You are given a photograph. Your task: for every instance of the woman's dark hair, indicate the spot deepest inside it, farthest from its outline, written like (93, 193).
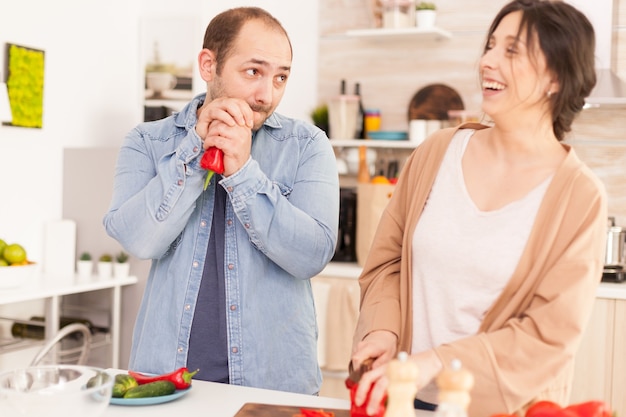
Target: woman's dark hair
(567, 39)
(222, 31)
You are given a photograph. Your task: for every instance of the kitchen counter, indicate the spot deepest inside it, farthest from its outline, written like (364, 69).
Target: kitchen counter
(351, 270)
(224, 400)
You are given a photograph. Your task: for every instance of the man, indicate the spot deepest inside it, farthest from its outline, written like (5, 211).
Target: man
(229, 287)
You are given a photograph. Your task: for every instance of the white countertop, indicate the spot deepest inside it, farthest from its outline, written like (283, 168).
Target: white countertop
(212, 399)
(352, 270)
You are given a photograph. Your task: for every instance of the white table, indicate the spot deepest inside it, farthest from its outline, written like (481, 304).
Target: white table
(212, 399)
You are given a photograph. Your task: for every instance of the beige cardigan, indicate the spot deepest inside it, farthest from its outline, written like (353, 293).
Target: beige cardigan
(524, 349)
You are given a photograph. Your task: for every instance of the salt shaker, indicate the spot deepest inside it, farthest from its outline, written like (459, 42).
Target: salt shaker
(402, 375)
(454, 390)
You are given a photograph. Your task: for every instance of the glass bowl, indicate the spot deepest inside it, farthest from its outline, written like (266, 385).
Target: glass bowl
(65, 390)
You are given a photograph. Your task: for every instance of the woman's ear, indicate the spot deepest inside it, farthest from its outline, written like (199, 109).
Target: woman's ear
(206, 64)
(554, 86)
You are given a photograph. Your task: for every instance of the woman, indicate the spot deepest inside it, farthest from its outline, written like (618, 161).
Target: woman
(491, 248)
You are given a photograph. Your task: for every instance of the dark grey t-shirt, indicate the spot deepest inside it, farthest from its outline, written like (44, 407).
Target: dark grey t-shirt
(207, 342)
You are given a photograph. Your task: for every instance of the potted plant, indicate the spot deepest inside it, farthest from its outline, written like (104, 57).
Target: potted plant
(425, 14)
(105, 266)
(121, 267)
(319, 115)
(84, 265)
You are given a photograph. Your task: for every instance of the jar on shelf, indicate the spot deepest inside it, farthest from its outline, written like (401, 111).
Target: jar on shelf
(398, 13)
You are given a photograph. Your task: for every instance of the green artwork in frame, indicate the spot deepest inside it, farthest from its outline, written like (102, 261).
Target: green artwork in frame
(25, 79)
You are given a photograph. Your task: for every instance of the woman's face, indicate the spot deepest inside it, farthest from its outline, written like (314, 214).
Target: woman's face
(514, 77)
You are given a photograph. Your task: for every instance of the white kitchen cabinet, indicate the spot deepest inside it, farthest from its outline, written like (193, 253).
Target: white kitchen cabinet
(600, 370)
(51, 292)
(336, 292)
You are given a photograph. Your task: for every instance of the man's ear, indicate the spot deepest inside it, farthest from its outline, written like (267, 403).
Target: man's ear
(207, 64)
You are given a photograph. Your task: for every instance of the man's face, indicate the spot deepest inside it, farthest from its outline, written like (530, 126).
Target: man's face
(256, 70)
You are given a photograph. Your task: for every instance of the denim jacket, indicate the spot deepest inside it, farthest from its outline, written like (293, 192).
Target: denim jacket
(281, 230)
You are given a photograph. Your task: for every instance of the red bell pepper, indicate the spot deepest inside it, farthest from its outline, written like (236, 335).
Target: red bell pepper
(180, 377)
(591, 409)
(594, 408)
(213, 161)
(361, 410)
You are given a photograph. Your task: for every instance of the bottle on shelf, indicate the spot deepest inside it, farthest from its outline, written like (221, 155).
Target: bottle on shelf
(360, 119)
(372, 121)
(36, 331)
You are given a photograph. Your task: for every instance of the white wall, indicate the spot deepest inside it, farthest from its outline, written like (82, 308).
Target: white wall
(93, 92)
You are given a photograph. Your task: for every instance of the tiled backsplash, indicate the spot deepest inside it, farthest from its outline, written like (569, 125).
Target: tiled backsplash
(391, 71)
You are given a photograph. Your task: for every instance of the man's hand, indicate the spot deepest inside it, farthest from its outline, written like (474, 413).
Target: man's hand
(231, 111)
(226, 123)
(235, 141)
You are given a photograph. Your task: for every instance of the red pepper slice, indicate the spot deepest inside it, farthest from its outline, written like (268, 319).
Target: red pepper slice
(213, 161)
(180, 377)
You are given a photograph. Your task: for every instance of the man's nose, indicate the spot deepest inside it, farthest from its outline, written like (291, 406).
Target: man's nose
(264, 91)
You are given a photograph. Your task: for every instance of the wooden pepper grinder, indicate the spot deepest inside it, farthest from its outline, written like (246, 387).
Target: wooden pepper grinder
(454, 386)
(402, 375)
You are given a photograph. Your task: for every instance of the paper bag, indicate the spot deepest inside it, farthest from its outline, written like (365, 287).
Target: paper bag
(371, 202)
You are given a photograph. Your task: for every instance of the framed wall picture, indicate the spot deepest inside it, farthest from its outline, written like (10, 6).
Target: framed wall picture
(25, 68)
(170, 49)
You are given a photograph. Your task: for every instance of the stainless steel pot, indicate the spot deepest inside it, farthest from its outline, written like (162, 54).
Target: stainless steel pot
(615, 245)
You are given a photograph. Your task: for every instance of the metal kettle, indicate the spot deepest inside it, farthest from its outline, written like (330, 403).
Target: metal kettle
(615, 245)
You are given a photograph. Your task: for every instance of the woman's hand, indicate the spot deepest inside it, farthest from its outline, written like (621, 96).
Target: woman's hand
(381, 346)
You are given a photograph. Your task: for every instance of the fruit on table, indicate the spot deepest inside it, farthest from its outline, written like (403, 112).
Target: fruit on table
(12, 254)
(380, 179)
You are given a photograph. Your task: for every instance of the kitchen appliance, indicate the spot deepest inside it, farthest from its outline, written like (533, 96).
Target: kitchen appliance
(346, 238)
(615, 255)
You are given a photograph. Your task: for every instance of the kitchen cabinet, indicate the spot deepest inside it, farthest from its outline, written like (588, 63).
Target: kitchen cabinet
(336, 292)
(52, 291)
(600, 369)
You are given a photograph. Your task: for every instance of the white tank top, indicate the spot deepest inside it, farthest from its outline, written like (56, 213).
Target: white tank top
(462, 257)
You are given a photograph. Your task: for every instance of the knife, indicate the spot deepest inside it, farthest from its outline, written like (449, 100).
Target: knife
(354, 375)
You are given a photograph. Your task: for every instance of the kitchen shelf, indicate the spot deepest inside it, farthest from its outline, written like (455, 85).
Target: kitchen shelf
(371, 143)
(51, 291)
(383, 34)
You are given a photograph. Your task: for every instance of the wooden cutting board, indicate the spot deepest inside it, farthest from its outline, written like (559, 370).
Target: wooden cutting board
(433, 102)
(273, 410)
